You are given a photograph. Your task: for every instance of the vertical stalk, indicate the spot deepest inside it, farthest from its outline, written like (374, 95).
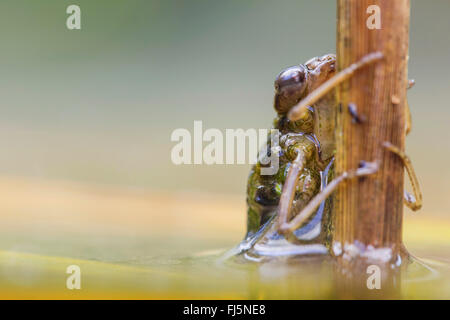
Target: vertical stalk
(369, 210)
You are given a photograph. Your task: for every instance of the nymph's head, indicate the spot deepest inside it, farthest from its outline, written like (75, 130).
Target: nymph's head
(294, 83)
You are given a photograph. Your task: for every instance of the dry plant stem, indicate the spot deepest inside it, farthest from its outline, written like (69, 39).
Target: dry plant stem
(408, 119)
(369, 211)
(411, 84)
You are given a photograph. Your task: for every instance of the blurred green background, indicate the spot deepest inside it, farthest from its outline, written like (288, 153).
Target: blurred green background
(98, 105)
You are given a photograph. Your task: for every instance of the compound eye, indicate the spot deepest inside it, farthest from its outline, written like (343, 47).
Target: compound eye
(293, 76)
(290, 85)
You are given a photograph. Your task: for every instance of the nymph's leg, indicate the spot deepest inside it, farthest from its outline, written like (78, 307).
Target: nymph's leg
(414, 202)
(287, 228)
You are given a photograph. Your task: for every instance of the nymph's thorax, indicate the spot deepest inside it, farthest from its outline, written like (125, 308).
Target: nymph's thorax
(304, 125)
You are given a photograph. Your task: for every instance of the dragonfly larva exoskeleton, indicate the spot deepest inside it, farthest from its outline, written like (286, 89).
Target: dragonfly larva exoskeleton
(306, 150)
(292, 207)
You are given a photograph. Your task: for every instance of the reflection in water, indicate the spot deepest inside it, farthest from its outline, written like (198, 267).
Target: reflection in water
(214, 275)
(217, 273)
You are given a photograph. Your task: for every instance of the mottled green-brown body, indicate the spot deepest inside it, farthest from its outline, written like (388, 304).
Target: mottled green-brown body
(312, 136)
(264, 191)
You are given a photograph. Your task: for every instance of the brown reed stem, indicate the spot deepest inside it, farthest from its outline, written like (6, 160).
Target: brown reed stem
(369, 210)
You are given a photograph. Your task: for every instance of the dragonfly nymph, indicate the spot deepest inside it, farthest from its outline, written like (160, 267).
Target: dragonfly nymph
(289, 212)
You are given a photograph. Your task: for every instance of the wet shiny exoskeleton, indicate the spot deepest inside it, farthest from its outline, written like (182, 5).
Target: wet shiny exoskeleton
(264, 191)
(293, 207)
(311, 137)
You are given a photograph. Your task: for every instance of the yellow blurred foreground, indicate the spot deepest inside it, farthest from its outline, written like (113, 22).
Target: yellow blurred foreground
(135, 244)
